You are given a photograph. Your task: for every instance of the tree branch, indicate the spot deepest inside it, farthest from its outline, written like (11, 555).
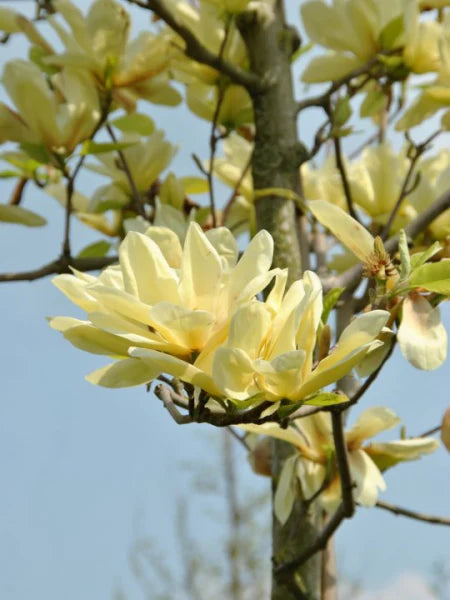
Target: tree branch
(340, 446)
(343, 173)
(198, 52)
(412, 514)
(60, 265)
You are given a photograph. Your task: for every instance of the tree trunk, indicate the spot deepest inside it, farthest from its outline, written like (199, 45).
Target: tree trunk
(276, 160)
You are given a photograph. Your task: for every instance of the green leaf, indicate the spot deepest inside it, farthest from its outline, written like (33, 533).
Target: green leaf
(433, 276)
(303, 49)
(100, 248)
(325, 399)
(391, 32)
(420, 258)
(287, 409)
(194, 185)
(373, 103)
(329, 302)
(9, 174)
(90, 147)
(342, 111)
(405, 260)
(37, 54)
(37, 152)
(16, 214)
(135, 123)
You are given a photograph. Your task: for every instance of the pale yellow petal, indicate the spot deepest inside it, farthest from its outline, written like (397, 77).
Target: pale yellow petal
(164, 363)
(169, 244)
(367, 478)
(286, 490)
(348, 231)
(249, 328)
(145, 270)
(185, 327)
(233, 373)
(76, 290)
(201, 271)
(123, 373)
(371, 422)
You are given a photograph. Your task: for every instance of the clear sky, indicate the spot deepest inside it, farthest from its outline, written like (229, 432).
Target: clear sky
(84, 470)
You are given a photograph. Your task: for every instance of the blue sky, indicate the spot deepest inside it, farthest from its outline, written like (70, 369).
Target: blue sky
(84, 470)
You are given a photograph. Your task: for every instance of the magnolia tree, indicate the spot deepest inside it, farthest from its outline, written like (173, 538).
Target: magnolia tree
(343, 256)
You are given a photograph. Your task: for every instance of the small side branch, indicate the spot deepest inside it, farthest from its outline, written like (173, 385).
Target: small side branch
(343, 173)
(198, 52)
(60, 265)
(412, 514)
(136, 203)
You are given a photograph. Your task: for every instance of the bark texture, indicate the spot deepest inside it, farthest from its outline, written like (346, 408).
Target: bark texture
(277, 156)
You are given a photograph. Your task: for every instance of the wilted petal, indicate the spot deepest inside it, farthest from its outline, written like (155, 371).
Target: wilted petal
(286, 490)
(368, 479)
(421, 336)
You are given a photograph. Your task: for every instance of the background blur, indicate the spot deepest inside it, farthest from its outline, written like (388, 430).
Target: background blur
(88, 474)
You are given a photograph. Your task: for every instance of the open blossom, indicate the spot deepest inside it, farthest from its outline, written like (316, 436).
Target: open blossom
(99, 43)
(168, 303)
(57, 116)
(193, 313)
(269, 349)
(312, 438)
(355, 31)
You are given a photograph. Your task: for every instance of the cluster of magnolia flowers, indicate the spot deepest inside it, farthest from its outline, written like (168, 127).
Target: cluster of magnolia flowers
(194, 313)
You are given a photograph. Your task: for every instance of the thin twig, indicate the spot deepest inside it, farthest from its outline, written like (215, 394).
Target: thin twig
(430, 431)
(235, 191)
(412, 514)
(343, 173)
(16, 196)
(284, 569)
(342, 463)
(70, 177)
(368, 382)
(415, 152)
(239, 438)
(213, 139)
(198, 52)
(165, 395)
(60, 265)
(136, 203)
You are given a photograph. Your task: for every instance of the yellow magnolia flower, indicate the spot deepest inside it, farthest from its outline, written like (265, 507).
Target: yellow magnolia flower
(434, 181)
(145, 157)
(353, 30)
(58, 117)
(99, 43)
(270, 345)
(166, 307)
(376, 181)
(207, 23)
(314, 458)
(436, 95)
(323, 183)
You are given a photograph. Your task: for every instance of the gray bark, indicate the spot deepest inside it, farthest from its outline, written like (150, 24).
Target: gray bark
(277, 156)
